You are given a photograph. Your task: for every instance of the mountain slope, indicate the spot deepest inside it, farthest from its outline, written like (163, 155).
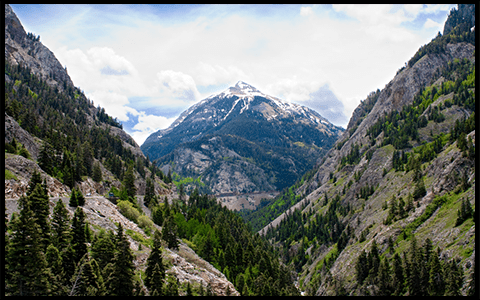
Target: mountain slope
(55, 125)
(243, 141)
(26, 49)
(399, 181)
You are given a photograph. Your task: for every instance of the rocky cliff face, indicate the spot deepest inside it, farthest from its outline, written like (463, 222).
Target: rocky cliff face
(464, 14)
(27, 49)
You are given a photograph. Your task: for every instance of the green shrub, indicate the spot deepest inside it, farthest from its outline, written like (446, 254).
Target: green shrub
(126, 208)
(145, 223)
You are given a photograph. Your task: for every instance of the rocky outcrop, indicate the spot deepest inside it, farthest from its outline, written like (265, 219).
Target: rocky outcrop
(403, 87)
(13, 130)
(26, 49)
(465, 13)
(23, 169)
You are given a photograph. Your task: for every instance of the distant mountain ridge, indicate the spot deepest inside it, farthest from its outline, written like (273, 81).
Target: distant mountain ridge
(278, 139)
(215, 111)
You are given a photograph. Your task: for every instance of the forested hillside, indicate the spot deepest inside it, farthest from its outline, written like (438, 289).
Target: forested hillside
(391, 209)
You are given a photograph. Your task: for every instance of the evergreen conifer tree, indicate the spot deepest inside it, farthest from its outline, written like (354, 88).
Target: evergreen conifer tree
(27, 270)
(155, 271)
(149, 192)
(68, 263)
(415, 260)
(67, 169)
(97, 172)
(78, 234)
(46, 158)
(120, 281)
(398, 276)
(40, 207)
(454, 279)
(54, 261)
(87, 156)
(80, 198)
(169, 232)
(61, 233)
(33, 182)
(103, 249)
(436, 283)
(129, 182)
(73, 198)
(85, 281)
(384, 278)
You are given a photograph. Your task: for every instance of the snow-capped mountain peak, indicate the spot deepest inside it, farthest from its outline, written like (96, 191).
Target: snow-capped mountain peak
(241, 90)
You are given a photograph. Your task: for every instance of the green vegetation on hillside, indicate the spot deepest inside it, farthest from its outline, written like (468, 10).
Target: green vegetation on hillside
(395, 197)
(63, 120)
(222, 238)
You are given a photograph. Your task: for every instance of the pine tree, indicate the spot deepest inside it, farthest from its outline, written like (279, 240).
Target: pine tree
(155, 271)
(68, 263)
(87, 156)
(61, 233)
(149, 192)
(27, 270)
(436, 283)
(80, 198)
(34, 180)
(120, 280)
(46, 158)
(86, 281)
(398, 276)
(78, 234)
(80, 168)
(54, 261)
(73, 198)
(169, 232)
(67, 169)
(454, 279)
(464, 212)
(97, 172)
(361, 267)
(129, 182)
(40, 207)
(103, 249)
(419, 190)
(384, 278)
(157, 215)
(415, 260)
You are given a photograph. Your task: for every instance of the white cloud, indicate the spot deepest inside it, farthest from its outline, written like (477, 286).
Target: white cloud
(208, 74)
(306, 11)
(105, 57)
(178, 85)
(432, 24)
(289, 55)
(114, 104)
(293, 89)
(435, 8)
(413, 9)
(148, 124)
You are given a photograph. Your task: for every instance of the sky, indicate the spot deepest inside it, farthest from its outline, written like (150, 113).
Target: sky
(145, 64)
